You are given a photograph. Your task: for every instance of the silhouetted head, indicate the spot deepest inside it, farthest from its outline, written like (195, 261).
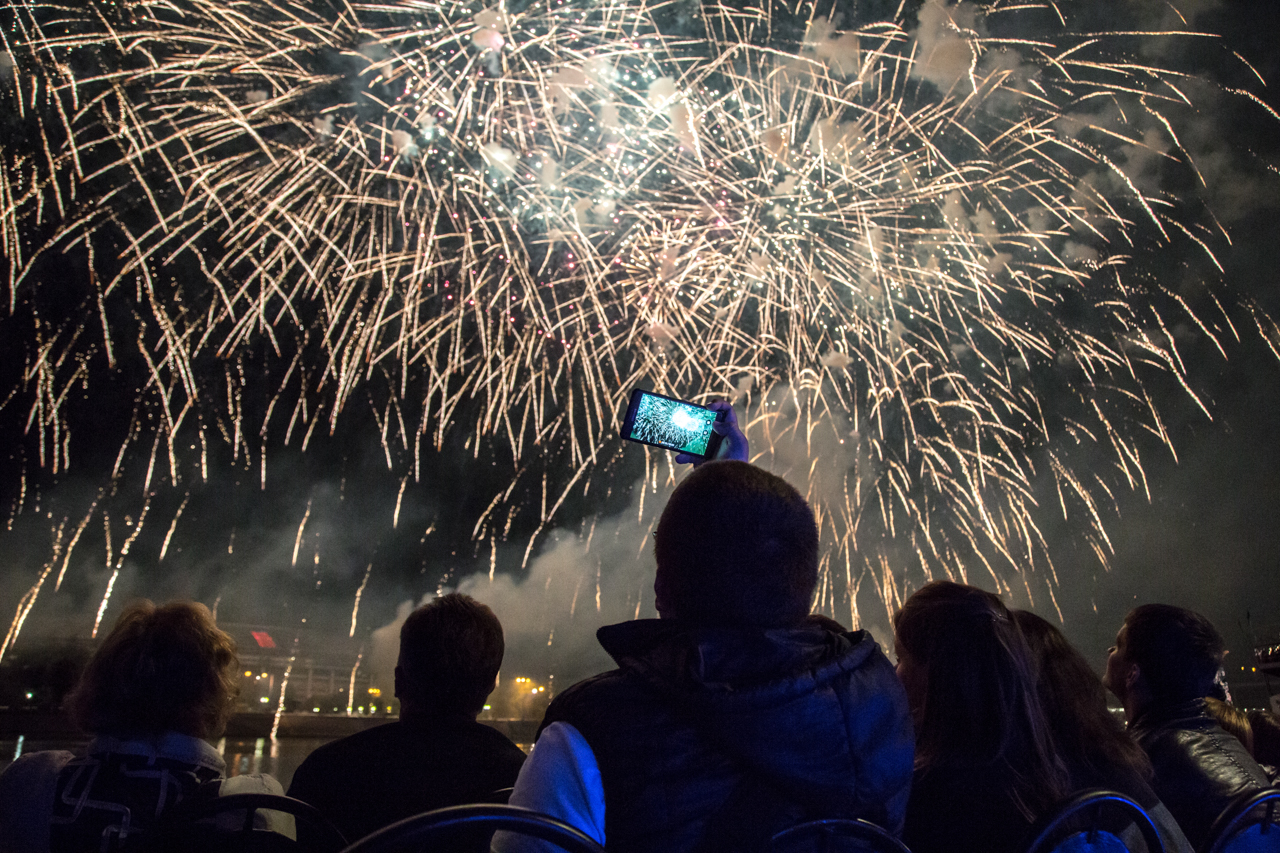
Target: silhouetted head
(1164, 654)
(450, 653)
(166, 668)
(736, 546)
(970, 682)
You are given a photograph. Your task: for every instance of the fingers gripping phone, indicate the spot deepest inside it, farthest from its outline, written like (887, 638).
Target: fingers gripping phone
(661, 421)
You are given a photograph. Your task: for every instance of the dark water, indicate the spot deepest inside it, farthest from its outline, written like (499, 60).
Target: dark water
(279, 757)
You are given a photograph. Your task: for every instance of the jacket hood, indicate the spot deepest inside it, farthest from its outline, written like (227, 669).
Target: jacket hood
(805, 706)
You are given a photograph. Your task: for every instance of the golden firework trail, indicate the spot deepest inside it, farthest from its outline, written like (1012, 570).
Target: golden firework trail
(115, 572)
(355, 609)
(284, 687)
(924, 253)
(29, 600)
(173, 525)
(106, 598)
(297, 541)
(71, 546)
(351, 687)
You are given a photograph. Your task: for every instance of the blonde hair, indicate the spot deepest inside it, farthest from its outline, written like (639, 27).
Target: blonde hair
(1232, 719)
(165, 668)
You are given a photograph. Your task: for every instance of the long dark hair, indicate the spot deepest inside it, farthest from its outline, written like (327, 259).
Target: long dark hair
(979, 706)
(1089, 738)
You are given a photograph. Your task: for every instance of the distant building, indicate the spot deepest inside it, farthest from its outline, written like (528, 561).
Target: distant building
(325, 674)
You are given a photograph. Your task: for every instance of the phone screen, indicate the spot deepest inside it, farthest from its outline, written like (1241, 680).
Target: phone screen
(670, 423)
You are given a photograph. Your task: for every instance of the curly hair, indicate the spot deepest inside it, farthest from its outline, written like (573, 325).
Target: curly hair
(165, 668)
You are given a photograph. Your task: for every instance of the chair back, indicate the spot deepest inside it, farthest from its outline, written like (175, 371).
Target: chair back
(836, 834)
(1251, 824)
(415, 833)
(1094, 821)
(202, 826)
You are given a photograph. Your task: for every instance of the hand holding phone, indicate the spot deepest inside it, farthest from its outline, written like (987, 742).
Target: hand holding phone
(733, 441)
(698, 433)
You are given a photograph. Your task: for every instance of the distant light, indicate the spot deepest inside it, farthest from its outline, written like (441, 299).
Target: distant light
(265, 699)
(315, 710)
(264, 675)
(375, 691)
(248, 674)
(488, 707)
(30, 695)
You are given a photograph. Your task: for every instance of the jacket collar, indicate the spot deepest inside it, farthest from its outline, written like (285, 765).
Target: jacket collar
(1161, 714)
(735, 665)
(174, 746)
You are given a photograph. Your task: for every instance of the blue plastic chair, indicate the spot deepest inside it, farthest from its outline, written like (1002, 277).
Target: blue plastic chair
(1094, 821)
(1251, 824)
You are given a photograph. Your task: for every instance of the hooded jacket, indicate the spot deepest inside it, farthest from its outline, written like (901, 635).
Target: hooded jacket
(716, 738)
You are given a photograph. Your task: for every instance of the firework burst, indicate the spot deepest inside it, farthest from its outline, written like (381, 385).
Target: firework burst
(919, 246)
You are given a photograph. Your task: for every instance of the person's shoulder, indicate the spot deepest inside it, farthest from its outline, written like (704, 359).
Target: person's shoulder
(491, 736)
(362, 743)
(595, 696)
(26, 798)
(32, 767)
(589, 686)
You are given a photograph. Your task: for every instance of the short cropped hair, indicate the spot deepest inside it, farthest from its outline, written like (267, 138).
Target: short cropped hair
(1178, 651)
(165, 668)
(450, 653)
(736, 546)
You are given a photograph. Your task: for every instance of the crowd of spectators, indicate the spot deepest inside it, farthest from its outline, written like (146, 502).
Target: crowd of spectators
(734, 715)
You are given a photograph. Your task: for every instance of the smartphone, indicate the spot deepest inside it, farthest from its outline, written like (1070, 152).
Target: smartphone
(674, 424)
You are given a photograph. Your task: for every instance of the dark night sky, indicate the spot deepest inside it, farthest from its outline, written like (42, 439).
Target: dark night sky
(1208, 538)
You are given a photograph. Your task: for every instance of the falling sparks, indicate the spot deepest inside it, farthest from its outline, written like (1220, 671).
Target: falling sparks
(395, 518)
(66, 561)
(923, 253)
(355, 610)
(133, 535)
(351, 687)
(106, 598)
(173, 525)
(29, 600)
(284, 687)
(302, 525)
